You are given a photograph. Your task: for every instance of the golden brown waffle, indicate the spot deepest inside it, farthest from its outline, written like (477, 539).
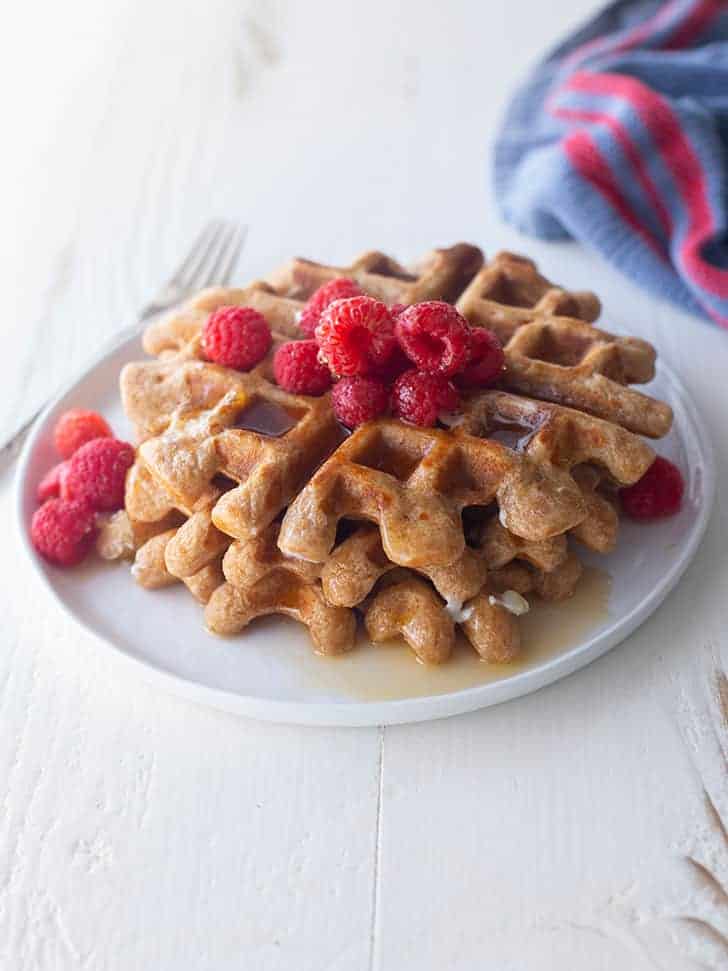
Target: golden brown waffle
(145, 500)
(554, 436)
(147, 544)
(245, 563)
(560, 358)
(230, 609)
(499, 547)
(410, 608)
(356, 564)
(195, 544)
(548, 569)
(441, 275)
(153, 391)
(509, 292)
(174, 332)
(414, 483)
(598, 531)
(264, 471)
(119, 536)
(151, 572)
(261, 580)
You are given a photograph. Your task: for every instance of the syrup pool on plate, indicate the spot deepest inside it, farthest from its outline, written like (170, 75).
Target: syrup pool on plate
(388, 672)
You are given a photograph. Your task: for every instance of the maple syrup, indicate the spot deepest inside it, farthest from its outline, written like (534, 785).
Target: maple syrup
(265, 418)
(387, 672)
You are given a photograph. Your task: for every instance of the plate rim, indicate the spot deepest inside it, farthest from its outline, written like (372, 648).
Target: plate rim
(357, 714)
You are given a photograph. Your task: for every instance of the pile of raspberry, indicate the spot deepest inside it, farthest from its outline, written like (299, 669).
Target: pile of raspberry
(412, 362)
(90, 479)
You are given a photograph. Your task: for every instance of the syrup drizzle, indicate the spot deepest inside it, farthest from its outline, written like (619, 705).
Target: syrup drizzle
(387, 672)
(265, 418)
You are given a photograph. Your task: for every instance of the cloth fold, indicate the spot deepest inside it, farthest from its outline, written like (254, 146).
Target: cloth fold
(619, 138)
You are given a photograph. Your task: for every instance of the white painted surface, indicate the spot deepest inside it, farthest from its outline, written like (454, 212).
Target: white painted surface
(141, 831)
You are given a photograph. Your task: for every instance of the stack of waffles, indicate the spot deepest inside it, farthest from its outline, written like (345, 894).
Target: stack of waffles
(261, 503)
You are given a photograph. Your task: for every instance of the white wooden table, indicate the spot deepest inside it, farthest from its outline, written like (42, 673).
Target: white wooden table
(576, 828)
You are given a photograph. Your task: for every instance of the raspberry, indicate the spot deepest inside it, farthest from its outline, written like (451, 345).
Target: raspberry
(339, 289)
(76, 427)
(389, 370)
(236, 337)
(396, 309)
(486, 361)
(97, 473)
(658, 493)
(62, 531)
(435, 337)
(358, 398)
(419, 397)
(355, 335)
(53, 482)
(297, 369)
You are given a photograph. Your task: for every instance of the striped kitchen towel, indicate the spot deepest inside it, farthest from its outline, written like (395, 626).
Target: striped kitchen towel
(619, 138)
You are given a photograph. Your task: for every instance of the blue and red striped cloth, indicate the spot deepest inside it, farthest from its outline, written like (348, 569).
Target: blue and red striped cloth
(620, 138)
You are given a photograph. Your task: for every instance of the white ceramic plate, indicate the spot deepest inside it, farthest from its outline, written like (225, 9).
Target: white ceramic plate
(270, 671)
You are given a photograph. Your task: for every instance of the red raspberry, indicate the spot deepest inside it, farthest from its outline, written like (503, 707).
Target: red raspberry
(358, 398)
(339, 289)
(62, 531)
(486, 361)
(53, 482)
(76, 427)
(396, 309)
(236, 337)
(435, 337)
(419, 397)
(297, 369)
(97, 473)
(355, 335)
(390, 370)
(658, 493)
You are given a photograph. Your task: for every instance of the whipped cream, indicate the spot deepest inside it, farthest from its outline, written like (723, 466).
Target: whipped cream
(512, 601)
(458, 613)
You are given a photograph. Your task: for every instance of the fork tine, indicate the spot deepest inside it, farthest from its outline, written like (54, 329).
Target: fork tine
(225, 265)
(206, 270)
(189, 270)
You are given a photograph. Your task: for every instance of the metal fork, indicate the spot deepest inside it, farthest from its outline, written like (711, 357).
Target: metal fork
(211, 261)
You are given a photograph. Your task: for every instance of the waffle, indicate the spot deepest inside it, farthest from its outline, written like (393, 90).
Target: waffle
(230, 609)
(173, 332)
(245, 563)
(554, 436)
(357, 563)
(414, 483)
(509, 292)
(119, 536)
(151, 572)
(147, 544)
(561, 358)
(441, 275)
(264, 471)
(410, 608)
(598, 531)
(153, 392)
(549, 568)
